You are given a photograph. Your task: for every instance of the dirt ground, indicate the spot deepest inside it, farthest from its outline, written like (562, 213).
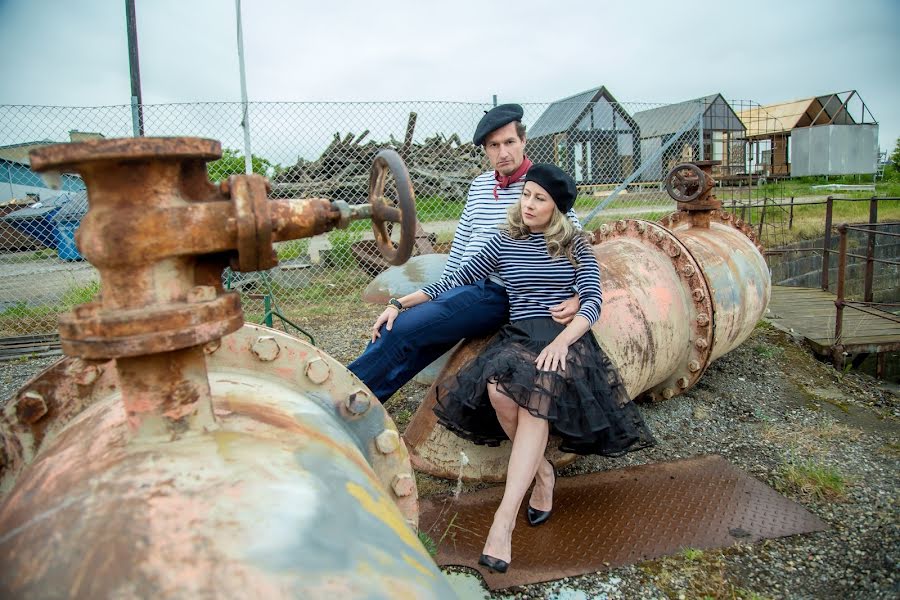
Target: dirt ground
(828, 440)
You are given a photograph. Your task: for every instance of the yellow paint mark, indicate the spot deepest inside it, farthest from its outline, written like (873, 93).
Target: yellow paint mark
(223, 441)
(417, 565)
(387, 512)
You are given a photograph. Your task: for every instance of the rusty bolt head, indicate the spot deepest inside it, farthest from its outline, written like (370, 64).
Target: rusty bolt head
(621, 225)
(683, 382)
(700, 344)
(317, 370)
(31, 407)
(726, 216)
(673, 250)
(604, 230)
(641, 228)
(266, 348)
(211, 346)
(687, 270)
(702, 320)
(667, 393)
(693, 366)
(201, 293)
(698, 295)
(403, 485)
(657, 236)
(738, 222)
(387, 441)
(358, 402)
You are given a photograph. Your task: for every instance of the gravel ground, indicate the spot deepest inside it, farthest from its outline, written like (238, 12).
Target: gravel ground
(766, 406)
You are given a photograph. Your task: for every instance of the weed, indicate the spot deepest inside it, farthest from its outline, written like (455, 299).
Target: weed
(767, 351)
(811, 481)
(428, 543)
(80, 294)
(692, 554)
(293, 249)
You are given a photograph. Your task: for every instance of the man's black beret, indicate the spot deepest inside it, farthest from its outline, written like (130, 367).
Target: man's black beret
(496, 118)
(557, 182)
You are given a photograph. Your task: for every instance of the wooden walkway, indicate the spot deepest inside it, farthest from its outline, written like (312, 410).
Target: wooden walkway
(810, 313)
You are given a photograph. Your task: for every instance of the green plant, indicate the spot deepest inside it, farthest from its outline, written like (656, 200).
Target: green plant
(232, 163)
(692, 554)
(341, 240)
(811, 480)
(428, 543)
(293, 249)
(80, 294)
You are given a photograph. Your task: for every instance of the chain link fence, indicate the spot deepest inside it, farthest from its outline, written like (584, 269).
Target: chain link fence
(618, 153)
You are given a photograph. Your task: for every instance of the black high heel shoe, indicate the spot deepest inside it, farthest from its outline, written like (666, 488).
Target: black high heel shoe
(537, 517)
(494, 564)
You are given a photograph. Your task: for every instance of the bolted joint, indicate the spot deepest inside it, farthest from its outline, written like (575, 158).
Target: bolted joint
(403, 485)
(317, 370)
(698, 295)
(641, 228)
(604, 230)
(702, 320)
(31, 407)
(687, 270)
(683, 382)
(266, 348)
(700, 344)
(387, 441)
(673, 251)
(668, 393)
(693, 366)
(358, 402)
(621, 225)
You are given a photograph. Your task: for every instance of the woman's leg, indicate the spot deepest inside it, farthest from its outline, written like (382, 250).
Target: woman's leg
(527, 453)
(507, 414)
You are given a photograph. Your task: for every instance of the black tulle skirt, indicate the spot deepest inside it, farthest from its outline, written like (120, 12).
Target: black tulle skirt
(586, 405)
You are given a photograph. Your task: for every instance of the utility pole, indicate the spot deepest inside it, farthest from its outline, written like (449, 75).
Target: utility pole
(137, 103)
(245, 113)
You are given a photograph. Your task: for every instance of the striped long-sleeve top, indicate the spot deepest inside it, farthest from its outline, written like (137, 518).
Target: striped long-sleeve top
(481, 218)
(535, 281)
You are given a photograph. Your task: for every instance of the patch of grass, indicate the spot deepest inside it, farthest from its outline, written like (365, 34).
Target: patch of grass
(767, 350)
(293, 249)
(80, 294)
(44, 253)
(429, 543)
(402, 417)
(695, 574)
(817, 439)
(600, 219)
(811, 481)
(438, 209)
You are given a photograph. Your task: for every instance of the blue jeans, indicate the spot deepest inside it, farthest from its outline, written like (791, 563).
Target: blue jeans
(423, 333)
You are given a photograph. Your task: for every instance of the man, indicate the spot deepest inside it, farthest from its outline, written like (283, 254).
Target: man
(413, 339)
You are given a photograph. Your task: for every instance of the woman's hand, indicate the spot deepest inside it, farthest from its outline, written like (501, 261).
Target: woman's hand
(386, 318)
(553, 356)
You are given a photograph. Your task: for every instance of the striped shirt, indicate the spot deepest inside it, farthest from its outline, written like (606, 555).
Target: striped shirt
(535, 281)
(481, 218)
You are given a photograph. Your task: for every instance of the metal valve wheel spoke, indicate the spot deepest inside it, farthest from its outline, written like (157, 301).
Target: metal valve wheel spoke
(385, 211)
(685, 183)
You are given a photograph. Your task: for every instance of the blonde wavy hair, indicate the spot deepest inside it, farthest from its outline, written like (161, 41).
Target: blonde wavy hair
(560, 234)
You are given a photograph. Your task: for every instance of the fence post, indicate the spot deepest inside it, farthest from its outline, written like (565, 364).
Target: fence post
(791, 218)
(870, 250)
(827, 246)
(762, 218)
(837, 352)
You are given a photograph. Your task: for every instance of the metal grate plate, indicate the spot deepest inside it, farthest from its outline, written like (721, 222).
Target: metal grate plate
(620, 517)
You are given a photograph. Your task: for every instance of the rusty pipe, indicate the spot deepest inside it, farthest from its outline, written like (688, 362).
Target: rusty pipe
(677, 295)
(177, 453)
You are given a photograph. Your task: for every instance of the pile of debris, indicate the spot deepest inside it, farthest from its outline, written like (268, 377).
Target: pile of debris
(439, 167)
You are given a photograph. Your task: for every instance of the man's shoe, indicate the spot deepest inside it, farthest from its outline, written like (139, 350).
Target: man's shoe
(494, 564)
(537, 517)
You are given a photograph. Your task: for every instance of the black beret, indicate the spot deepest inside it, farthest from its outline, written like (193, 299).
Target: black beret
(557, 182)
(496, 118)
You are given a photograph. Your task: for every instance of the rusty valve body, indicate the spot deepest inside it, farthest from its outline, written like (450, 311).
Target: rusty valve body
(677, 294)
(177, 453)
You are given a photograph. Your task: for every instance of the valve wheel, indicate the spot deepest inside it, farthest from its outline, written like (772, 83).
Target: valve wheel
(685, 182)
(386, 211)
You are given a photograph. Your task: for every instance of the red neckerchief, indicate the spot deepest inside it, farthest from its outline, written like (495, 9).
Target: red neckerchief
(504, 181)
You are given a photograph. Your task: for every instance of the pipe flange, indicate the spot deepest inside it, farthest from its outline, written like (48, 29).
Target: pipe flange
(249, 195)
(337, 390)
(695, 287)
(92, 332)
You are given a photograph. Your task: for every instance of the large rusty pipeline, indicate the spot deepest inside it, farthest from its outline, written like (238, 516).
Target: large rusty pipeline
(177, 453)
(677, 294)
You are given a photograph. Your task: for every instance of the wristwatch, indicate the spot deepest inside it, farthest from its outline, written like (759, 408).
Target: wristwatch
(396, 304)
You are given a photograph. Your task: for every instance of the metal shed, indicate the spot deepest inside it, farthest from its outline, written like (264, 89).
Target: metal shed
(680, 128)
(589, 135)
(845, 144)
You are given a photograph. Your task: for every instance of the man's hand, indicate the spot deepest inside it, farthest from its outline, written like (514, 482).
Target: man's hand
(385, 318)
(566, 310)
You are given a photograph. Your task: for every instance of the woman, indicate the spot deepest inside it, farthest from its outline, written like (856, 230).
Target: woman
(536, 375)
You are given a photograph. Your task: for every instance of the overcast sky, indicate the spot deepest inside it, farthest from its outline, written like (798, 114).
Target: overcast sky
(65, 52)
